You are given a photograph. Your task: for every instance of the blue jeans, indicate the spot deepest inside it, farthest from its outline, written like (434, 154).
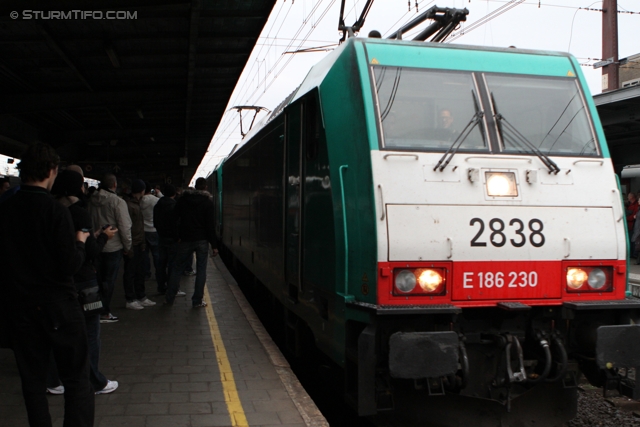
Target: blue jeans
(152, 239)
(184, 251)
(133, 278)
(108, 273)
(98, 380)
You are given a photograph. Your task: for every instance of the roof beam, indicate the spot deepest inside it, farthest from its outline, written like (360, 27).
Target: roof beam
(58, 49)
(35, 102)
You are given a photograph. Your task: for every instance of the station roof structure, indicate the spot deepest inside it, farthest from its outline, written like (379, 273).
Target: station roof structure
(134, 87)
(619, 112)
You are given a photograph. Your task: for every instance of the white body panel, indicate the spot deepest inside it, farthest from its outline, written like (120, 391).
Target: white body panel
(425, 215)
(440, 233)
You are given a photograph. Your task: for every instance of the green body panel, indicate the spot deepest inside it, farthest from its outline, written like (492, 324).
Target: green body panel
(466, 58)
(349, 160)
(367, 95)
(347, 139)
(318, 230)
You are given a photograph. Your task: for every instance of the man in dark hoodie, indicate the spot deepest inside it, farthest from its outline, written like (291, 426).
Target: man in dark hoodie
(166, 227)
(194, 216)
(39, 253)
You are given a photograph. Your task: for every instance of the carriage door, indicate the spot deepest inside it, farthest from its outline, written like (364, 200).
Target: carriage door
(293, 195)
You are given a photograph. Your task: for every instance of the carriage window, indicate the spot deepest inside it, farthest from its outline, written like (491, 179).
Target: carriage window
(547, 114)
(427, 110)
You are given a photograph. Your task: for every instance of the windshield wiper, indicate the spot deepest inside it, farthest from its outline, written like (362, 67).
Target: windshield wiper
(516, 138)
(392, 96)
(453, 148)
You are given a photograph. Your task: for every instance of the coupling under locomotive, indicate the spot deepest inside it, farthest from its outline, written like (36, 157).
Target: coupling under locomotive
(447, 223)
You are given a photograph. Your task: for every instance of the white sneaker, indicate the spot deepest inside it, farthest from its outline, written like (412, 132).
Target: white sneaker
(180, 293)
(109, 388)
(134, 305)
(56, 390)
(146, 302)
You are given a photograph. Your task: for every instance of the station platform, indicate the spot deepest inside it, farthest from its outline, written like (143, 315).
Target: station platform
(184, 367)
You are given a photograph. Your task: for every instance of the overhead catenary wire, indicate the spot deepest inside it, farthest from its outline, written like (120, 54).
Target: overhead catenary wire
(290, 58)
(487, 18)
(218, 143)
(250, 77)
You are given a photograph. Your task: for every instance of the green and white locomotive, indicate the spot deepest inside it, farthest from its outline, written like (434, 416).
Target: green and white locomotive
(447, 223)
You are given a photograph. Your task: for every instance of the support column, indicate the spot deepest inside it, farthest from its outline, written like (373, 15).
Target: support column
(610, 74)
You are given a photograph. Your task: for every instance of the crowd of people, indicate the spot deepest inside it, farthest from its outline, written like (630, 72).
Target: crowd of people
(61, 248)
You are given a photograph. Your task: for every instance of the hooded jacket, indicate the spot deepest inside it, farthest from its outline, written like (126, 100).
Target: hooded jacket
(106, 207)
(194, 213)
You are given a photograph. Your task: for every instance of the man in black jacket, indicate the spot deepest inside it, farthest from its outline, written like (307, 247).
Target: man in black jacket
(166, 227)
(39, 253)
(194, 216)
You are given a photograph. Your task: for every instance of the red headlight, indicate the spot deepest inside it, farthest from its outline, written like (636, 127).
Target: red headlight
(419, 281)
(589, 279)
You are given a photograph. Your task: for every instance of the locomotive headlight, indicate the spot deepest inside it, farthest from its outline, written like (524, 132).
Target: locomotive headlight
(429, 280)
(597, 278)
(585, 279)
(576, 278)
(405, 281)
(501, 184)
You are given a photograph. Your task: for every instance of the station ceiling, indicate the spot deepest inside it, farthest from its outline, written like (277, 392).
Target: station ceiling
(619, 112)
(135, 87)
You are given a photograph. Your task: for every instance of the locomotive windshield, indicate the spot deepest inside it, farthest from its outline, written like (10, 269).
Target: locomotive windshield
(428, 110)
(549, 112)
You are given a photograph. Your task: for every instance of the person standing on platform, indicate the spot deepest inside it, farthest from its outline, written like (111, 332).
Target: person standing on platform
(194, 215)
(147, 204)
(39, 253)
(165, 224)
(133, 277)
(106, 208)
(68, 190)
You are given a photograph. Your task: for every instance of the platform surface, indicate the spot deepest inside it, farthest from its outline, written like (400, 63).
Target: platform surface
(183, 367)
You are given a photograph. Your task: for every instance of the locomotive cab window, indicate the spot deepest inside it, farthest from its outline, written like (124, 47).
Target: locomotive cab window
(541, 113)
(429, 110)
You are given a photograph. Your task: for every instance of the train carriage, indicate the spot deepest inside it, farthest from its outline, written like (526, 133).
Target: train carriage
(447, 223)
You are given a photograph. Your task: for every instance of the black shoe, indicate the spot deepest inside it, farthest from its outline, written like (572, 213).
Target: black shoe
(189, 273)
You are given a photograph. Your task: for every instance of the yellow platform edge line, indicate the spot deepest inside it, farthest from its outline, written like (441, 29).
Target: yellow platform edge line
(234, 406)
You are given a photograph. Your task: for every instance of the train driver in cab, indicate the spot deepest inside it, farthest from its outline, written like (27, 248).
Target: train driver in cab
(445, 130)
